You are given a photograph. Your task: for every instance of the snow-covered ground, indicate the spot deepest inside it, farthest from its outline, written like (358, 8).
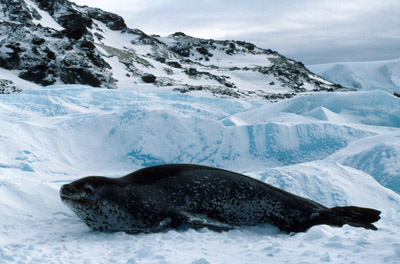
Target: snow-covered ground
(371, 75)
(335, 148)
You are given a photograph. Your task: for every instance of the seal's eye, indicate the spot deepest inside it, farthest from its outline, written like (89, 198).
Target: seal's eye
(88, 189)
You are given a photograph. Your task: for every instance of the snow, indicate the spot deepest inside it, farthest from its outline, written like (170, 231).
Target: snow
(113, 38)
(12, 75)
(220, 58)
(46, 19)
(335, 148)
(371, 75)
(366, 108)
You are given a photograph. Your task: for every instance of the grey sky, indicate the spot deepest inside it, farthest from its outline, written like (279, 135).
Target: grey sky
(312, 31)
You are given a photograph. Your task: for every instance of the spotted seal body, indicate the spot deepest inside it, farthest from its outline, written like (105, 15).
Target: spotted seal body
(168, 196)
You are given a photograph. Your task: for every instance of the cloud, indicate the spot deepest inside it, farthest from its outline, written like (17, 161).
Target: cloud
(313, 31)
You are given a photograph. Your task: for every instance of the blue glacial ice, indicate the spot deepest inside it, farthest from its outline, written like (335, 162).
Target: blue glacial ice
(75, 129)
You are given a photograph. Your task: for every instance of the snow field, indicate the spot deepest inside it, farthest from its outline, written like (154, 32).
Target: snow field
(326, 147)
(371, 75)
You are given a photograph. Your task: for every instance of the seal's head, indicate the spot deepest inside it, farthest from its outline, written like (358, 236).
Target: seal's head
(80, 193)
(95, 200)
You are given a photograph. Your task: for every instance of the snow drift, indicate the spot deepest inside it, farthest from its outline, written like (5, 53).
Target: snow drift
(328, 147)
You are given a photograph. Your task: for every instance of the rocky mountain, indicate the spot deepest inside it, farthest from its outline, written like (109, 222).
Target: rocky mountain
(58, 42)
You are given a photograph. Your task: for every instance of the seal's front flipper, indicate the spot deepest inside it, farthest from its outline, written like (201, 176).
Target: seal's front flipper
(200, 220)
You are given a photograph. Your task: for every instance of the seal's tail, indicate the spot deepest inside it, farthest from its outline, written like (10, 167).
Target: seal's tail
(351, 215)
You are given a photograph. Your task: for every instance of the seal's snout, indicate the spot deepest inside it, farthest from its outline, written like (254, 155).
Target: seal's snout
(66, 191)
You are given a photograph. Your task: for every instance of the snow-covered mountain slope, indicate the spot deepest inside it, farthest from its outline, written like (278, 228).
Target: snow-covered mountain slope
(58, 42)
(382, 75)
(320, 146)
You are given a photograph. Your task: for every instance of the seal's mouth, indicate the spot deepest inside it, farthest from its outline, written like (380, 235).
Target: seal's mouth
(69, 197)
(72, 200)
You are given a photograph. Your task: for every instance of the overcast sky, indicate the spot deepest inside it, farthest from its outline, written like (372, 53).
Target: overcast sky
(311, 31)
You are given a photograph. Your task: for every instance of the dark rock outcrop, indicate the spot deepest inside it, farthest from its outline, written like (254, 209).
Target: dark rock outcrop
(174, 64)
(44, 54)
(112, 21)
(149, 78)
(75, 25)
(41, 74)
(8, 87)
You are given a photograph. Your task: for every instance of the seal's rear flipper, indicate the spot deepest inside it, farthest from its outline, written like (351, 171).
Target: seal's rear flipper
(200, 220)
(351, 215)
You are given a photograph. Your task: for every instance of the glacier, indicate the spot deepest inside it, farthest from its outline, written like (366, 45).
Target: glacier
(368, 75)
(336, 148)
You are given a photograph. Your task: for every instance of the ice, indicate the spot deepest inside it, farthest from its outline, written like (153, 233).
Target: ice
(355, 107)
(382, 75)
(335, 148)
(311, 178)
(379, 160)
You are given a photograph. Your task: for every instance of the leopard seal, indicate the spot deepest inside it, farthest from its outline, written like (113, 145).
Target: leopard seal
(168, 196)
